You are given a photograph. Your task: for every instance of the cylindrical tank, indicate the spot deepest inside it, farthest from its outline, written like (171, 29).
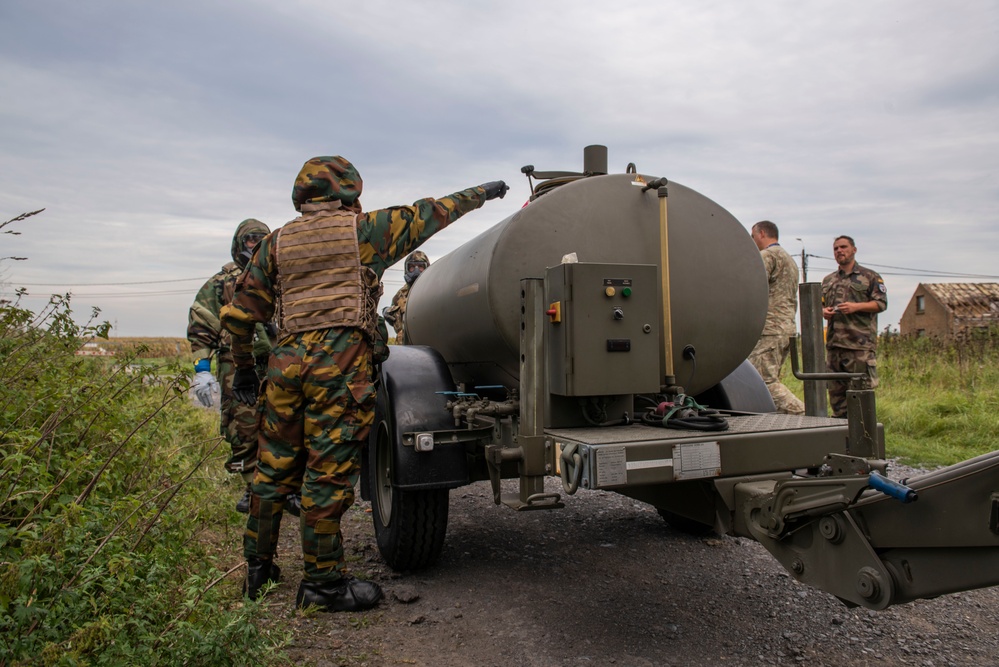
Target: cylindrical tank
(466, 305)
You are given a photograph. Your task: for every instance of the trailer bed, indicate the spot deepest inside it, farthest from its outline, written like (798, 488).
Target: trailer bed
(639, 454)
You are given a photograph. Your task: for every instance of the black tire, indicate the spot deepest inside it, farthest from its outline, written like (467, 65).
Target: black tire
(685, 525)
(409, 525)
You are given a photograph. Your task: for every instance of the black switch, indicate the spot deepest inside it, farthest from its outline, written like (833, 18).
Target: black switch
(619, 345)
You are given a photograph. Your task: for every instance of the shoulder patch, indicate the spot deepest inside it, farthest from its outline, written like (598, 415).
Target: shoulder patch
(881, 286)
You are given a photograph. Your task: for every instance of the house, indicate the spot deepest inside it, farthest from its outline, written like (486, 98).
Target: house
(92, 349)
(948, 310)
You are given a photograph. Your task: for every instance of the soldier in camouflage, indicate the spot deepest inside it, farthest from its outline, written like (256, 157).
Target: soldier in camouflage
(204, 330)
(852, 297)
(395, 315)
(320, 274)
(771, 350)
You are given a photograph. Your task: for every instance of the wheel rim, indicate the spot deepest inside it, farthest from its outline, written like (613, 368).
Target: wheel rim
(383, 474)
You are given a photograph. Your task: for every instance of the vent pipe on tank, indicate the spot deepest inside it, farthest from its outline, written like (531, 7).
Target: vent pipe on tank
(595, 160)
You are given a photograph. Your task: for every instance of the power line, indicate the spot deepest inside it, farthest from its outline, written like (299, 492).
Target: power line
(112, 295)
(919, 272)
(144, 282)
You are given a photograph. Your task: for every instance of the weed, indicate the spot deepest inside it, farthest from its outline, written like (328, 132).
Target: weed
(108, 481)
(938, 400)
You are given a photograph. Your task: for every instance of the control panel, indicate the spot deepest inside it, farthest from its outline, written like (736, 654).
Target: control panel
(603, 329)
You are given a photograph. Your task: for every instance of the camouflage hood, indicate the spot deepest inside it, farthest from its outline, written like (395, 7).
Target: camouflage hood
(411, 275)
(249, 227)
(328, 178)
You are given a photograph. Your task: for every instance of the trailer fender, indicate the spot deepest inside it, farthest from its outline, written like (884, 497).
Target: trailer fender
(743, 390)
(411, 399)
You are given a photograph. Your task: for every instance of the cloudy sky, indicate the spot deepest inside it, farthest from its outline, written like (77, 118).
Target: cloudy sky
(147, 131)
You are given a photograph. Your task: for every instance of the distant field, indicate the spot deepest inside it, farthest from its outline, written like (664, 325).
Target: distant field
(150, 348)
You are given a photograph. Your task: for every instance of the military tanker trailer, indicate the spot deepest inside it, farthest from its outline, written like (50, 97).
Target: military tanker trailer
(599, 336)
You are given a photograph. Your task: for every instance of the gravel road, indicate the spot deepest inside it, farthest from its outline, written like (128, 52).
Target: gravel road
(604, 581)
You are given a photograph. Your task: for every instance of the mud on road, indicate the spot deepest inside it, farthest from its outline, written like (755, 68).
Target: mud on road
(604, 581)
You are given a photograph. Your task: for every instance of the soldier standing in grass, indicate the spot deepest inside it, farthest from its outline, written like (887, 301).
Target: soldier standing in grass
(852, 297)
(771, 350)
(320, 275)
(204, 330)
(395, 314)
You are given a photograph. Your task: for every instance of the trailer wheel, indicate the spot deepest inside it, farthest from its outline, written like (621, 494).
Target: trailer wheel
(409, 524)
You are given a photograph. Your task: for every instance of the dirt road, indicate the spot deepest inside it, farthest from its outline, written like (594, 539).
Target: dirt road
(605, 582)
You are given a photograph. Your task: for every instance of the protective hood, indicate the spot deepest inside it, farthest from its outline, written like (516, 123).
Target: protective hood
(249, 227)
(417, 257)
(327, 178)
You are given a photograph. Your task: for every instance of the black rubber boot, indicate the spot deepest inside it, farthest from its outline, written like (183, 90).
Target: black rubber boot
(347, 594)
(258, 573)
(243, 504)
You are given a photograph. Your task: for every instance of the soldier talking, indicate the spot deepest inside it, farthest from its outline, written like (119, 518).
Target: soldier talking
(320, 274)
(771, 350)
(852, 297)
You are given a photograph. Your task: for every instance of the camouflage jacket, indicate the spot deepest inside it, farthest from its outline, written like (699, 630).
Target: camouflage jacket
(384, 237)
(204, 326)
(782, 276)
(856, 331)
(397, 311)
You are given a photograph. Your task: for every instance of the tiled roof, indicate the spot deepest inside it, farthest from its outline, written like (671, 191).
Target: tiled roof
(968, 301)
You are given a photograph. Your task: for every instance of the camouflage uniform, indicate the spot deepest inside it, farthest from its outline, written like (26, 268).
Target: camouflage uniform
(204, 330)
(396, 313)
(851, 340)
(771, 350)
(319, 395)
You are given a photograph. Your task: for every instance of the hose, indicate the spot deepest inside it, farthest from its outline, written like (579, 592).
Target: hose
(685, 413)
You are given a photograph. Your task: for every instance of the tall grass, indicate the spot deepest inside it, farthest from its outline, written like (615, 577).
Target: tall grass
(938, 400)
(110, 514)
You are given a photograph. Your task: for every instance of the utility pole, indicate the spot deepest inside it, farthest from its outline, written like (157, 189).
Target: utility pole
(804, 262)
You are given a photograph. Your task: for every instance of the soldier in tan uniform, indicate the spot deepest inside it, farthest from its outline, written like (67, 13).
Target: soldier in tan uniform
(852, 297)
(320, 274)
(395, 314)
(771, 351)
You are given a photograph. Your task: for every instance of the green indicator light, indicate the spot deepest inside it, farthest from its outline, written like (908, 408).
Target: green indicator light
(626, 291)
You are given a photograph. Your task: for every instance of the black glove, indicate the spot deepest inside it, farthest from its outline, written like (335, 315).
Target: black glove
(245, 386)
(388, 316)
(495, 189)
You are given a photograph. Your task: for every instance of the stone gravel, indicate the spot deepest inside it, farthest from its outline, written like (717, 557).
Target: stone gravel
(604, 581)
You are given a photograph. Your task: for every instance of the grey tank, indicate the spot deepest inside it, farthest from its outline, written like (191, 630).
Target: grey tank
(466, 305)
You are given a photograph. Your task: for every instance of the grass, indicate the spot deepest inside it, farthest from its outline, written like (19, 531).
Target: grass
(938, 400)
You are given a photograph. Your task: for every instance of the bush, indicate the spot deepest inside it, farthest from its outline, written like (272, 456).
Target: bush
(109, 515)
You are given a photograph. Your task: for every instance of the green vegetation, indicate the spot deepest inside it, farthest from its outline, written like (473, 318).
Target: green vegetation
(115, 521)
(938, 400)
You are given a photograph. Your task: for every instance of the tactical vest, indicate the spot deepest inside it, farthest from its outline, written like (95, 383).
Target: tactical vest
(321, 282)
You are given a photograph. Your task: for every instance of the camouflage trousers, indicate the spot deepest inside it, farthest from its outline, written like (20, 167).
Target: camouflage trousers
(767, 357)
(319, 405)
(840, 360)
(238, 425)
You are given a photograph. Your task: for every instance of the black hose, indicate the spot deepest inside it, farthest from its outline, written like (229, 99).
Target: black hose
(701, 420)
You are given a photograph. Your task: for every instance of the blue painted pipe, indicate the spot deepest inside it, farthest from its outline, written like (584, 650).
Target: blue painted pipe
(879, 482)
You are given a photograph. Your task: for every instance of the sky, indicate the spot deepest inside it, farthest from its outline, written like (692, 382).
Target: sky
(148, 131)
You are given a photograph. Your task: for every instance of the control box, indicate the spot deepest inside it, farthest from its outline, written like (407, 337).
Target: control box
(603, 329)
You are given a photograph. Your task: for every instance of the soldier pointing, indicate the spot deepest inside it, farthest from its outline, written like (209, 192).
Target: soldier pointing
(320, 274)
